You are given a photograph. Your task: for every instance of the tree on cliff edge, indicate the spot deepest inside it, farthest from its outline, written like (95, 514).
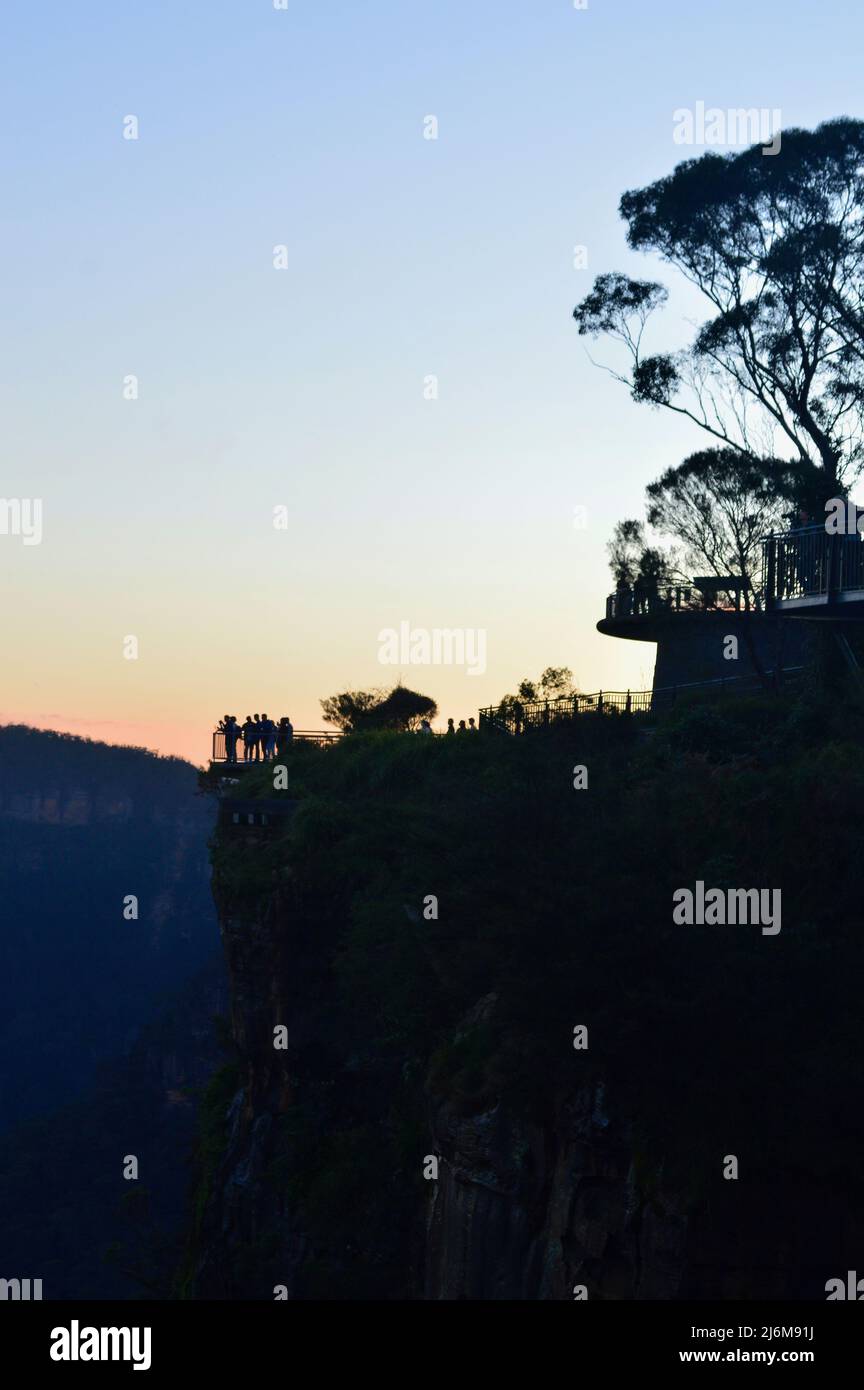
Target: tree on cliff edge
(775, 244)
(357, 711)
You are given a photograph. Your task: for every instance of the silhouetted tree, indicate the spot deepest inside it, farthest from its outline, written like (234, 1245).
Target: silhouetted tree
(720, 503)
(774, 244)
(624, 549)
(349, 709)
(554, 683)
(357, 710)
(403, 709)
(633, 561)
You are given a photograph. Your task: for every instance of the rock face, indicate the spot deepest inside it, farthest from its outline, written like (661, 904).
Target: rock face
(106, 1016)
(524, 1213)
(421, 1136)
(85, 831)
(242, 1210)
(68, 1215)
(556, 1209)
(518, 1211)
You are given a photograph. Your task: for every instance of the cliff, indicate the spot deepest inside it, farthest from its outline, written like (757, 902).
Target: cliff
(106, 1020)
(85, 829)
(444, 1031)
(66, 1209)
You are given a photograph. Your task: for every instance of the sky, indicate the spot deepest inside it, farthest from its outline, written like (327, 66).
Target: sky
(286, 486)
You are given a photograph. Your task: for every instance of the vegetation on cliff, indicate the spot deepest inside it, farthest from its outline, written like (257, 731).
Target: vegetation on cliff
(557, 902)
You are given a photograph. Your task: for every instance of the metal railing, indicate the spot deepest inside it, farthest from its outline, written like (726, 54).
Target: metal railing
(805, 563)
(521, 717)
(851, 563)
(634, 602)
(810, 563)
(220, 752)
(796, 564)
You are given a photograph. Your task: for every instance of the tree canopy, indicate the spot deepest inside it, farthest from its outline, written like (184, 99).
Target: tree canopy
(774, 245)
(633, 560)
(400, 709)
(720, 503)
(554, 683)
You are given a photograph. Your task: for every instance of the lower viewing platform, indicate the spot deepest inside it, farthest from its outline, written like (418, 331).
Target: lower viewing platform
(240, 762)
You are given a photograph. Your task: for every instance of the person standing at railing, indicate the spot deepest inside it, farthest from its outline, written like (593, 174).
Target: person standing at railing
(247, 732)
(284, 735)
(622, 604)
(232, 733)
(227, 727)
(255, 739)
(268, 738)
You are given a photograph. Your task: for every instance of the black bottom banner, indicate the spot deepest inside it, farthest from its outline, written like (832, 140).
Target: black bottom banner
(225, 1339)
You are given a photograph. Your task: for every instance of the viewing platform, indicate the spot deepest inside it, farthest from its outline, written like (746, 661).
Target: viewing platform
(811, 574)
(219, 754)
(806, 573)
(641, 613)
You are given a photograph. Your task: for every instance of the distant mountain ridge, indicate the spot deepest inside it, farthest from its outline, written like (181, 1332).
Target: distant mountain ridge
(85, 829)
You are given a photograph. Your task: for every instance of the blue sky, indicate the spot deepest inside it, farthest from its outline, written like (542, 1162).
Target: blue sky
(304, 387)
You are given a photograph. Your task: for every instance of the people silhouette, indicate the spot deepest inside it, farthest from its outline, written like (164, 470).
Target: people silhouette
(256, 739)
(284, 735)
(450, 727)
(462, 729)
(232, 733)
(248, 732)
(268, 737)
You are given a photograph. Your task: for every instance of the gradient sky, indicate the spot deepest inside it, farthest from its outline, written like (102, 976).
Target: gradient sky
(304, 387)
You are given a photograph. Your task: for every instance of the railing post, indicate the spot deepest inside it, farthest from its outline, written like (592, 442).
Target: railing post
(835, 555)
(771, 573)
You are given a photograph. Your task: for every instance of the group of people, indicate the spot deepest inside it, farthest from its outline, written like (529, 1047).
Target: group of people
(263, 739)
(425, 727)
(469, 728)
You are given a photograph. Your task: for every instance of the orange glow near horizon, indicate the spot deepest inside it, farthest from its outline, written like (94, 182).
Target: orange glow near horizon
(181, 720)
